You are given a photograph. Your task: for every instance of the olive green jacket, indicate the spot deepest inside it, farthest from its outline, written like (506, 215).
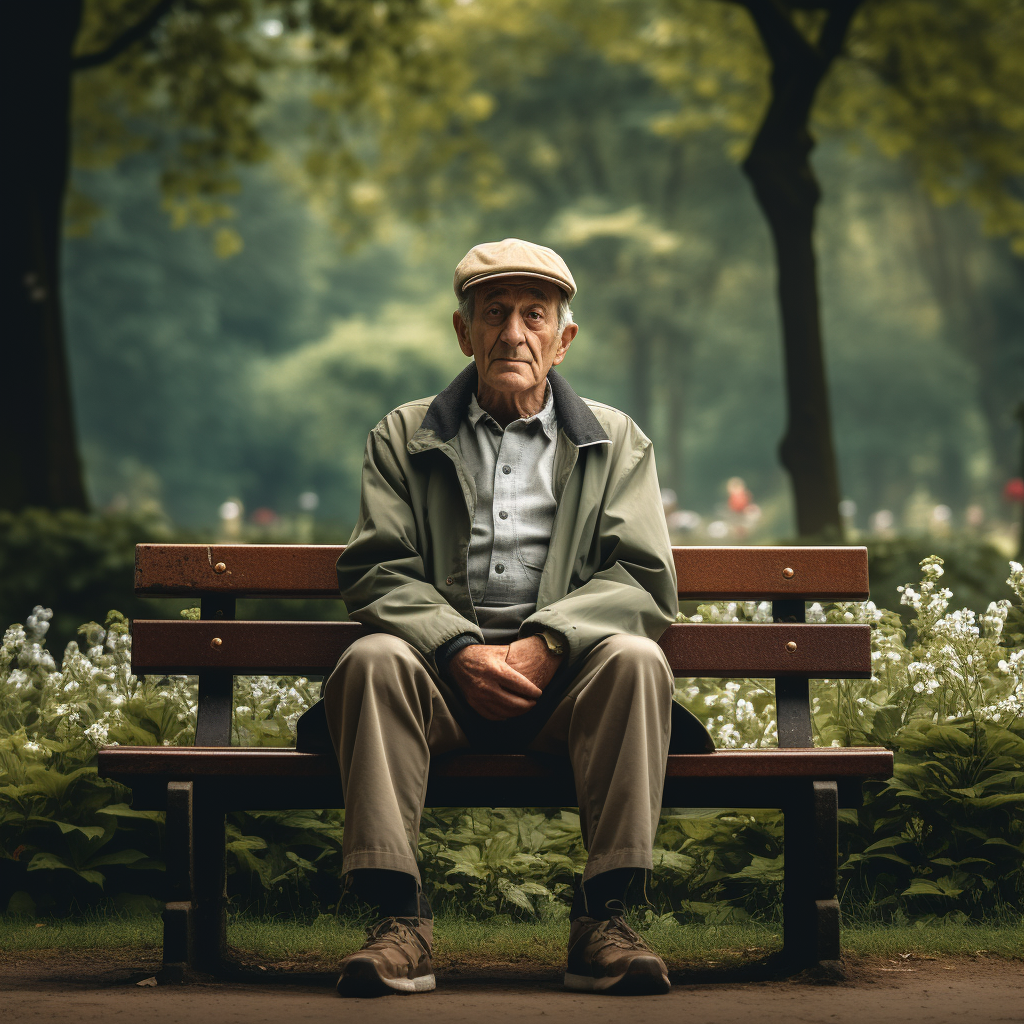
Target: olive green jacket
(609, 567)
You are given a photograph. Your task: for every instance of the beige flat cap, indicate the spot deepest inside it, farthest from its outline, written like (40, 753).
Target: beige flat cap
(512, 257)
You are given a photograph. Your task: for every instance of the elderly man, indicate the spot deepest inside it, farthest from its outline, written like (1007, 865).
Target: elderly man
(512, 558)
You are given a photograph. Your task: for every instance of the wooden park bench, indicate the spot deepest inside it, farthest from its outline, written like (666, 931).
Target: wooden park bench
(197, 785)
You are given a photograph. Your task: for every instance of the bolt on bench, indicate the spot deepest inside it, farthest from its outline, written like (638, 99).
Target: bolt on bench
(197, 785)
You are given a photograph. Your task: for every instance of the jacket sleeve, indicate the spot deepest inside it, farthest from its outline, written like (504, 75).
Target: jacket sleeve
(634, 590)
(381, 572)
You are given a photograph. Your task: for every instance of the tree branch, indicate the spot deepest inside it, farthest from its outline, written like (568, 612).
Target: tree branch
(837, 24)
(128, 37)
(780, 36)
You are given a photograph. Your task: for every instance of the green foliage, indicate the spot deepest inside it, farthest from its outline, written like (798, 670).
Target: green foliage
(973, 569)
(519, 861)
(72, 562)
(380, 91)
(942, 838)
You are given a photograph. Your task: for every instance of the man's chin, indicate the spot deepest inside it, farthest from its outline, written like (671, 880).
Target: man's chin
(510, 380)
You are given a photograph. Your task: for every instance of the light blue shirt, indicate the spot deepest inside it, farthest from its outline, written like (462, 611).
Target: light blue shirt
(515, 509)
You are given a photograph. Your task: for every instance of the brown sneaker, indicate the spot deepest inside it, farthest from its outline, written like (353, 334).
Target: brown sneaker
(394, 958)
(608, 956)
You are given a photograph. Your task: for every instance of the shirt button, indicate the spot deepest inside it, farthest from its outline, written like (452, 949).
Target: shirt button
(499, 568)
(503, 515)
(506, 470)
(449, 581)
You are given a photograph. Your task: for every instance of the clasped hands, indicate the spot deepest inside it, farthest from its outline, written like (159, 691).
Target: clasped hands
(502, 682)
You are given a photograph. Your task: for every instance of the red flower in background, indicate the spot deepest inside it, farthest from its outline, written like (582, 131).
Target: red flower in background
(1014, 490)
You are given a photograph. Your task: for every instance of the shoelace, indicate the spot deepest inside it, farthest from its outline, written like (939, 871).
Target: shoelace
(620, 934)
(392, 932)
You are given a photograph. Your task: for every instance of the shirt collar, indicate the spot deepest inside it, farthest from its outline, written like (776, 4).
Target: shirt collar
(547, 417)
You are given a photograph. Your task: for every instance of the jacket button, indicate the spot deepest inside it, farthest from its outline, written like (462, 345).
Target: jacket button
(449, 581)
(506, 470)
(499, 568)
(503, 515)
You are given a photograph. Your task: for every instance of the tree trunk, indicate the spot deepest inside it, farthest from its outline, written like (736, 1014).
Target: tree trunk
(37, 428)
(780, 172)
(1020, 517)
(677, 350)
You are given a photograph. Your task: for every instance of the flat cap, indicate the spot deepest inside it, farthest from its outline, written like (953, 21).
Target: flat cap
(512, 257)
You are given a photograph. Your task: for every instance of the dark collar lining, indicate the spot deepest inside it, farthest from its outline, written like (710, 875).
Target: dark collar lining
(574, 416)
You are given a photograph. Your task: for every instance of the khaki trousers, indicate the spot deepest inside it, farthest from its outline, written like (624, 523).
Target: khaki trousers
(387, 716)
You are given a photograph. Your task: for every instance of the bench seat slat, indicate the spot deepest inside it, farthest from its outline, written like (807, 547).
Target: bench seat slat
(832, 651)
(266, 778)
(766, 762)
(308, 570)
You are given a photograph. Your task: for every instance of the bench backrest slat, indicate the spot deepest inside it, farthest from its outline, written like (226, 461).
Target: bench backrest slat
(308, 570)
(312, 648)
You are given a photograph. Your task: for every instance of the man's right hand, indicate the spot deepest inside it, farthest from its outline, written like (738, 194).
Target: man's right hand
(492, 688)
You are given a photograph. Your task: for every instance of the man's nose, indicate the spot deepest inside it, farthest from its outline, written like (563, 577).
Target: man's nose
(514, 331)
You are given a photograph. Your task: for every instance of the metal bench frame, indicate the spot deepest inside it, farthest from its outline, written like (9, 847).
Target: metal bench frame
(197, 785)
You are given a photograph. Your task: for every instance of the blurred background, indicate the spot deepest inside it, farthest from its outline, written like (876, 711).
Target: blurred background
(266, 202)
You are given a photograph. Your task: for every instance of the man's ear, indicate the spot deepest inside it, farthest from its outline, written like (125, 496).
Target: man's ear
(564, 342)
(462, 333)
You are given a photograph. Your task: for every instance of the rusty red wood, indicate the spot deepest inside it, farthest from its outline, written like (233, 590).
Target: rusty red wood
(772, 573)
(308, 570)
(195, 763)
(693, 649)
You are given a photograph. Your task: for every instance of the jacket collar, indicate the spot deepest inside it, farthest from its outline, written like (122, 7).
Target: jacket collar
(447, 410)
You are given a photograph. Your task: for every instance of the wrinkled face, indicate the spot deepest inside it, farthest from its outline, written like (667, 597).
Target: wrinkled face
(514, 336)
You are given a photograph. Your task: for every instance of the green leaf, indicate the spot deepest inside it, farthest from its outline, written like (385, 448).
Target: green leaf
(300, 861)
(124, 811)
(51, 862)
(924, 887)
(89, 831)
(126, 857)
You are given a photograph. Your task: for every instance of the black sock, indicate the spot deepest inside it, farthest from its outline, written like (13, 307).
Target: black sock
(604, 896)
(389, 893)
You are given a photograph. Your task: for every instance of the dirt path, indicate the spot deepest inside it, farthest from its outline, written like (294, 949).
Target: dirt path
(89, 987)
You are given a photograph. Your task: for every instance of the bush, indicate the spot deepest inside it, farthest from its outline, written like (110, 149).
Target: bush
(943, 837)
(76, 563)
(73, 562)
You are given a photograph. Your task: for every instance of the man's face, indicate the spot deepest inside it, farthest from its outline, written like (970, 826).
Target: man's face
(514, 337)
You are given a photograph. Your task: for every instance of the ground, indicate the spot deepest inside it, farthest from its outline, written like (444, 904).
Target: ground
(90, 986)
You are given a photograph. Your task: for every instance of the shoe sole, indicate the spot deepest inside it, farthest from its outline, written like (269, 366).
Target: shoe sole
(645, 976)
(362, 981)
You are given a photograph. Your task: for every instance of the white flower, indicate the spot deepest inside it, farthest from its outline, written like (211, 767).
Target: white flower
(97, 733)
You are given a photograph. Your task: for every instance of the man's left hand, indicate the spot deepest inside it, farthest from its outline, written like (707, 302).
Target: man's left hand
(533, 658)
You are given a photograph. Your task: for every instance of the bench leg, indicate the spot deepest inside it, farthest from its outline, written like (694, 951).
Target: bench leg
(179, 917)
(810, 907)
(210, 885)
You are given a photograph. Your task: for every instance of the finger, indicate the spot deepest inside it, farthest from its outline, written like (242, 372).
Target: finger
(496, 705)
(513, 681)
(504, 704)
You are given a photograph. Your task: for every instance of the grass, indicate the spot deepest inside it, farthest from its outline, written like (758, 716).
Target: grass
(500, 942)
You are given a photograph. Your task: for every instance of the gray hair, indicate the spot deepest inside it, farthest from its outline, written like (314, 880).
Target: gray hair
(467, 305)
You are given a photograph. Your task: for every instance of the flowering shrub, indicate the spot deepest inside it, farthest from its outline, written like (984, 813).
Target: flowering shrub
(944, 835)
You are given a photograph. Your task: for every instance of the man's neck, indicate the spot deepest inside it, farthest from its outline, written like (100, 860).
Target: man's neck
(508, 406)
